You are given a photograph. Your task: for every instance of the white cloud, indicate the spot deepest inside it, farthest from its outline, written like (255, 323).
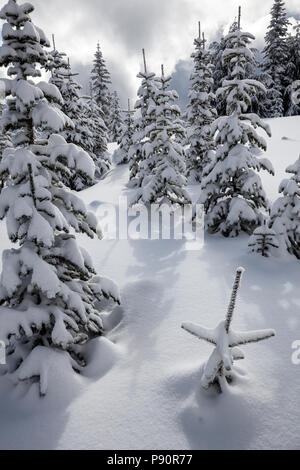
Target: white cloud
(166, 28)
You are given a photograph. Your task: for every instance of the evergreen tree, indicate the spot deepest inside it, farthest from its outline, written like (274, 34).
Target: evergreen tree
(296, 92)
(73, 107)
(285, 213)
(142, 124)
(232, 191)
(101, 81)
(125, 140)
(267, 103)
(116, 118)
(292, 72)
(221, 69)
(200, 112)
(90, 131)
(98, 149)
(276, 54)
(5, 141)
(263, 241)
(58, 66)
(48, 287)
(162, 169)
(83, 133)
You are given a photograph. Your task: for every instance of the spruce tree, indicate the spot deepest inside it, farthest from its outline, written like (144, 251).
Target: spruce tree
(98, 129)
(200, 112)
(125, 140)
(90, 131)
(221, 70)
(232, 191)
(296, 92)
(76, 109)
(5, 140)
(276, 54)
(268, 103)
(162, 169)
(116, 118)
(58, 66)
(292, 72)
(101, 82)
(48, 286)
(263, 241)
(143, 123)
(285, 213)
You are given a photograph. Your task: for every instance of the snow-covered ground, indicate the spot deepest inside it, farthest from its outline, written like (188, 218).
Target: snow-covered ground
(143, 390)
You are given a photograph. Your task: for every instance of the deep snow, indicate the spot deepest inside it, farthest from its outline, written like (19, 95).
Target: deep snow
(143, 390)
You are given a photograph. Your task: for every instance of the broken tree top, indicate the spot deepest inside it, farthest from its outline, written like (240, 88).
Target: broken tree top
(225, 339)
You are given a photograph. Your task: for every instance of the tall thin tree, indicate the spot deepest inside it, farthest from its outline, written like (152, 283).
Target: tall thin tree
(200, 112)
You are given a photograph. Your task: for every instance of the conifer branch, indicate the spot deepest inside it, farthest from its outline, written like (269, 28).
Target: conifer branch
(31, 180)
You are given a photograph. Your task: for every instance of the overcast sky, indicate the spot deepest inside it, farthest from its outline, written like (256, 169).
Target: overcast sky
(165, 28)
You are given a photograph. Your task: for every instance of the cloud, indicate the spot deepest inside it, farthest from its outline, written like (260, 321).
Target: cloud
(180, 80)
(165, 28)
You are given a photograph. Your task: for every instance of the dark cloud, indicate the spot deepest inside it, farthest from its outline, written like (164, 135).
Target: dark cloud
(295, 14)
(180, 81)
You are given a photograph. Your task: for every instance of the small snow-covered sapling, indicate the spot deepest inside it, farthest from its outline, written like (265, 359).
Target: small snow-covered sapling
(125, 139)
(218, 368)
(285, 212)
(263, 241)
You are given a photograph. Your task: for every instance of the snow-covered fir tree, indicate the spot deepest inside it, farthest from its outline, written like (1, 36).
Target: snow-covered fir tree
(296, 92)
(58, 66)
(221, 69)
(83, 133)
(162, 169)
(98, 150)
(285, 213)
(48, 286)
(267, 103)
(125, 140)
(90, 131)
(276, 54)
(219, 370)
(142, 124)
(101, 82)
(292, 72)
(5, 140)
(116, 118)
(200, 112)
(232, 191)
(263, 241)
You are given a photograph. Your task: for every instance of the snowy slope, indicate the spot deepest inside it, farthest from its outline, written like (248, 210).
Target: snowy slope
(144, 390)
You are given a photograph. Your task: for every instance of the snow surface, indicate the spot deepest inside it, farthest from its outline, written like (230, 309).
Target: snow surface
(143, 391)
